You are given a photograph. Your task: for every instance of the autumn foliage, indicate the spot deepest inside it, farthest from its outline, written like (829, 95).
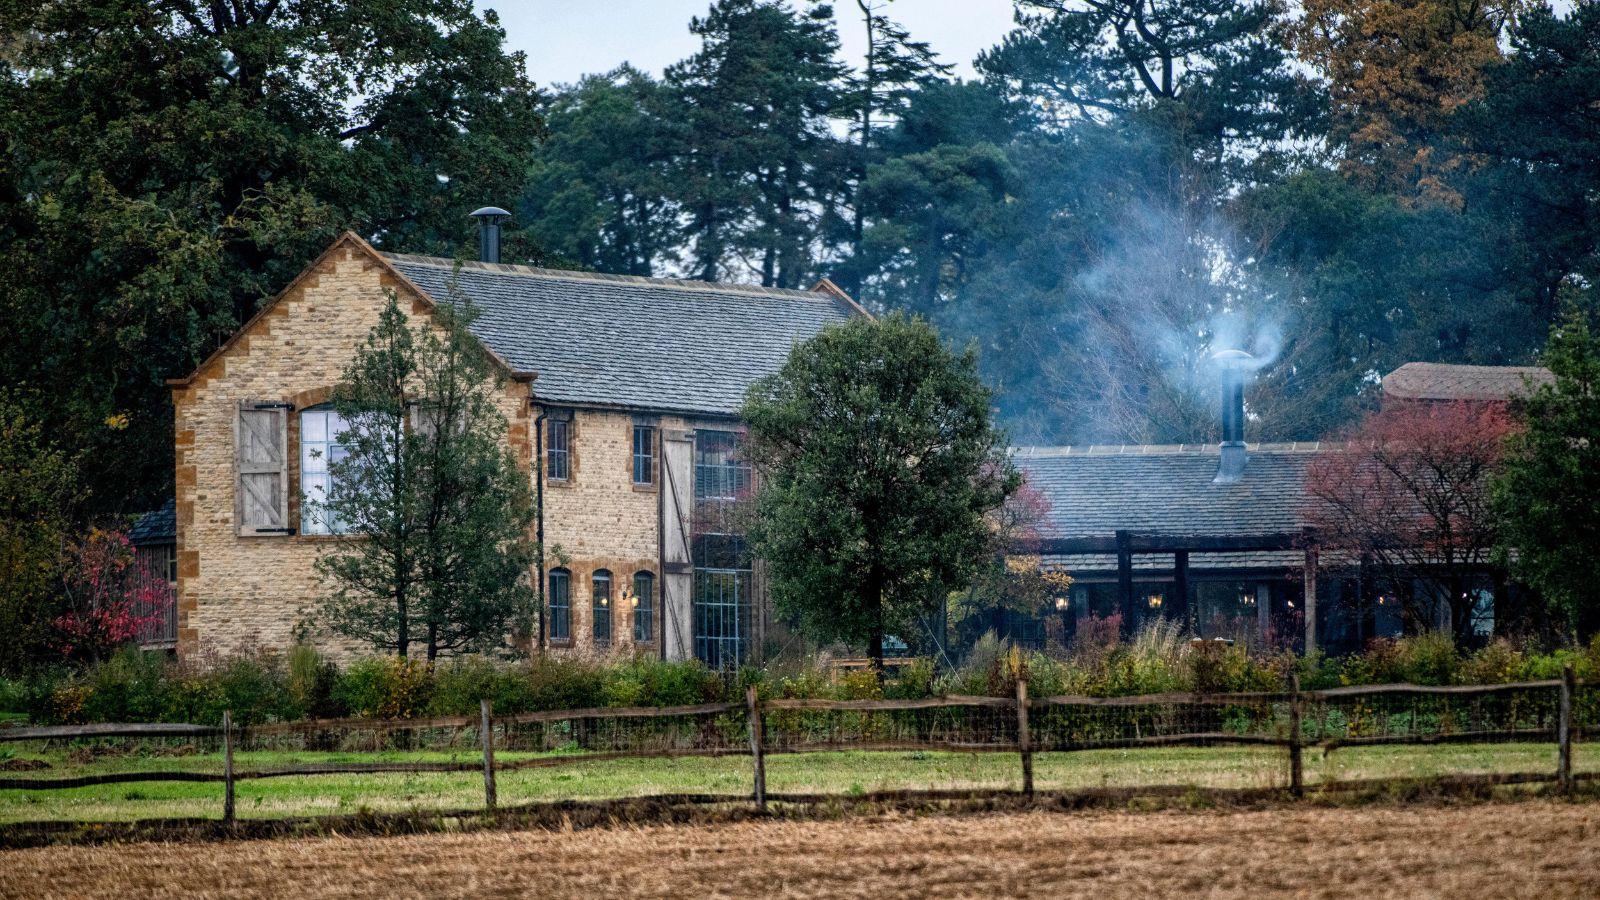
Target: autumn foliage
(1409, 490)
(107, 596)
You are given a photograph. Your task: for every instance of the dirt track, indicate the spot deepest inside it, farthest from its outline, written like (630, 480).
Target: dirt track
(1493, 850)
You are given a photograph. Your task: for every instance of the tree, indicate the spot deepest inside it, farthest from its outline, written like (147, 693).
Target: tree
(878, 465)
(432, 511)
(1395, 71)
(756, 100)
(165, 166)
(1409, 490)
(1547, 495)
(599, 191)
(1216, 66)
(936, 211)
(38, 491)
(893, 66)
(1538, 190)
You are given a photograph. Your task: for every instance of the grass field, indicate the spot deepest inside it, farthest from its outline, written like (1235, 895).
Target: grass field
(1526, 849)
(838, 772)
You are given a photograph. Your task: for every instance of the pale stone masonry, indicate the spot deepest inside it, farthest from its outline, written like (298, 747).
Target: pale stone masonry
(245, 569)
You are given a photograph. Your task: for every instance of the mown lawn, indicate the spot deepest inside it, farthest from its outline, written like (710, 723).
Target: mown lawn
(848, 772)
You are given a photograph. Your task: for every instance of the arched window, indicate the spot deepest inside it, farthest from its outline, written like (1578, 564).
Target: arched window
(644, 607)
(560, 605)
(320, 431)
(602, 607)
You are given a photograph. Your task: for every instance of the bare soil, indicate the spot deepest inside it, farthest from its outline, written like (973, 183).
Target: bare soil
(1521, 849)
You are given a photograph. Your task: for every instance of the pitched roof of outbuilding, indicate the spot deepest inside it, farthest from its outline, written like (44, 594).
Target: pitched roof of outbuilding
(1440, 381)
(158, 526)
(1167, 489)
(641, 343)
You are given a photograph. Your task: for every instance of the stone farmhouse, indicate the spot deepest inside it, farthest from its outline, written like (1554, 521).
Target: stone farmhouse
(620, 394)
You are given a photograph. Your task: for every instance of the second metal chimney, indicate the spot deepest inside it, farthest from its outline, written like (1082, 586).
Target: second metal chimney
(1234, 366)
(489, 219)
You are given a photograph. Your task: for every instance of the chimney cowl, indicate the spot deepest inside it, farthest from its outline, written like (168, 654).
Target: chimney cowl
(489, 219)
(1235, 365)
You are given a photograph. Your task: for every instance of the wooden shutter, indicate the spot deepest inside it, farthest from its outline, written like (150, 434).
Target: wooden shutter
(677, 562)
(261, 488)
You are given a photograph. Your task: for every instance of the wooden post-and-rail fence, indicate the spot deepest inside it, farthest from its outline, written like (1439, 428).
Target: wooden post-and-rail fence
(754, 709)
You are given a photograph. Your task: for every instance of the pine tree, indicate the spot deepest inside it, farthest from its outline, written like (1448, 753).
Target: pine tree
(431, 511)
(756, 101)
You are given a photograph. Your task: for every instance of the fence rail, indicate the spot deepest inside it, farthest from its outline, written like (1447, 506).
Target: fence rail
(1294, 720)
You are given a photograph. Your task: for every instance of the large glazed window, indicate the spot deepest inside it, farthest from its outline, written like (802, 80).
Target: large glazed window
(720, 471)
(721, 602)
(560, 605)
(320, 431)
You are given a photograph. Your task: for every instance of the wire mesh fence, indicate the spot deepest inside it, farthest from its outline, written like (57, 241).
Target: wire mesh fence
(1271, 734)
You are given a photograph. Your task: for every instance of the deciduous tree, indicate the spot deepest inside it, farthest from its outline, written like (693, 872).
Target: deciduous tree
(878, 465)
(1410, 490)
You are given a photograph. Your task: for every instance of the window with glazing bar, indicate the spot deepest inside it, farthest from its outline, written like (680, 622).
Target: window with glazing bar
(644, 454)
(560, 605)
(602, 607)
(720, 471)
(558, 450)
(644, 607)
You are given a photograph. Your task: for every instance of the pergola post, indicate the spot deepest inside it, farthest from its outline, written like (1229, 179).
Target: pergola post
(1310, 602)
(1125, 580)
(1180, 589)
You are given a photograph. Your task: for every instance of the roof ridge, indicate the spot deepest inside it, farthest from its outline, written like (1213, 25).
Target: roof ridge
(716, 287)
(1048, 452)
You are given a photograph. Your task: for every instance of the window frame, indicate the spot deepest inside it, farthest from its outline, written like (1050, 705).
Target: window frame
(564, 453)
(560, 612)
(645, 456)
(644, 607)
(600, 605)
(309, 524)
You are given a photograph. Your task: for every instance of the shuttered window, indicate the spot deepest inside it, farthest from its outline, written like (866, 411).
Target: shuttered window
(261, 489)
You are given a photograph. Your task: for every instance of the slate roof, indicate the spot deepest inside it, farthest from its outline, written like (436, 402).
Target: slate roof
(1438, 381)
(1166, 489)
(640, 343)
(159, 526)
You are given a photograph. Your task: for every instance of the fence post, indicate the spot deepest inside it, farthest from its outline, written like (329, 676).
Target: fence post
(757, 757)
(1024, 746)
(1297, 785)
(227, 766)
(486, 735)
(1564, 729)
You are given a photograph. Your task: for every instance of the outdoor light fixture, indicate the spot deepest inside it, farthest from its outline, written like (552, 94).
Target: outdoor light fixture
(1062, 603)
(1154, 600)
(1247, 598)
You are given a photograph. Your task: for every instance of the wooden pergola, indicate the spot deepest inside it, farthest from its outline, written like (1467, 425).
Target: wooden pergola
(1125, 544)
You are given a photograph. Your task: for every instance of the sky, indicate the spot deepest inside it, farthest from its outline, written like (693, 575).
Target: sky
(565, 39)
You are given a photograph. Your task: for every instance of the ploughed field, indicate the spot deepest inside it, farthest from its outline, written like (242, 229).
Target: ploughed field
(844, 773)
(1521, 849)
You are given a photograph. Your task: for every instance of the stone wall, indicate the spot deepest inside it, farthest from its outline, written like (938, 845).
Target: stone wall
(599, 519)
(238, 593)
